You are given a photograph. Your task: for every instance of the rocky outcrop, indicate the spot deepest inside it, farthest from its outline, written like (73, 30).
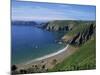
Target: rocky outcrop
(80, 31)
(59, 25)
(82, 37)
(85, 28)
(58, 28)
(44, 25)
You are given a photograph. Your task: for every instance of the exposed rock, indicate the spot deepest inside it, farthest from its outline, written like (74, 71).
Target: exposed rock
(82, 37)
(60, 42)
(44, 25)
(59, 25)
(55, 28)
(74, 39)
(66, 39)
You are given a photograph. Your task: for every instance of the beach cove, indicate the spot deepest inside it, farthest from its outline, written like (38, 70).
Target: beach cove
(59, 56)
(26, 44)
(30, 43)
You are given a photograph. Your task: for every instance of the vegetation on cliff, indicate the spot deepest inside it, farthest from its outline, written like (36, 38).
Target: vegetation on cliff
(81, 35)
(83, 59)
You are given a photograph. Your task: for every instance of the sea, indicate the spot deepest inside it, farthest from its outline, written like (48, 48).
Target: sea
(31, 42)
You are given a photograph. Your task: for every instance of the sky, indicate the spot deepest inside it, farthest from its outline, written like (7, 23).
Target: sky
(51, 11)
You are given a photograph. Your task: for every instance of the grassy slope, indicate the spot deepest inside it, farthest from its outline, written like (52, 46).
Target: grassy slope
(79, 26)
(76, 29)
(84, 58)
(61, 23)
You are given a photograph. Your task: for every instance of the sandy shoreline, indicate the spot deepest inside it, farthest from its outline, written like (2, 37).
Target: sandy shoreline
(47, 59)
(48, 56)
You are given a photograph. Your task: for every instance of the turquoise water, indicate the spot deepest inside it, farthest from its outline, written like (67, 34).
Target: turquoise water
(29, 42)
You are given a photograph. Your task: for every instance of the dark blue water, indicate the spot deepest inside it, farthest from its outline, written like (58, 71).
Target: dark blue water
(29, 42)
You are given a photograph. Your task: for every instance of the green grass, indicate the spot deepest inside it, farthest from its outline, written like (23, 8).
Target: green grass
(82, 59)
(77, 28)
(85, 57)
(80, 27)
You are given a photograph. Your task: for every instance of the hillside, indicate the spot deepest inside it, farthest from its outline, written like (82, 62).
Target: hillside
(79, 34)
(83, 59)
(81, 55)
(59, 25)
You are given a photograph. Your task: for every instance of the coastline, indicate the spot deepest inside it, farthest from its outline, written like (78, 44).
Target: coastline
(47, 59)
(48, 56)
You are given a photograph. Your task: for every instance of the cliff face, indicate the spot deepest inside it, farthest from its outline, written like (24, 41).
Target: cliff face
(83, 36)
(78, 32)
(63, 25)
(59, 25)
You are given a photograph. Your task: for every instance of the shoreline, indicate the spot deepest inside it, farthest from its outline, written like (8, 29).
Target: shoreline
(47, 59)
(47, 56)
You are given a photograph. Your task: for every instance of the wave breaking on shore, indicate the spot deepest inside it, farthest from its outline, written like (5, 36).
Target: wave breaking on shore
(48, 56)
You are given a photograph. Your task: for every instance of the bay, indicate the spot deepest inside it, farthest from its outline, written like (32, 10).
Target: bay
(29, 42)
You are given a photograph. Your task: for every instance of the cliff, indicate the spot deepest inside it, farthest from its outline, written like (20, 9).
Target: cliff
(77, 32)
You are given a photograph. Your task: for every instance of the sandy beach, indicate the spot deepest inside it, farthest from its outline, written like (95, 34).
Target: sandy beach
(48, 59)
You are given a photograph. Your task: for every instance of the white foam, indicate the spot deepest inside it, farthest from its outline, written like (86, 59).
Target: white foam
(49, 55)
